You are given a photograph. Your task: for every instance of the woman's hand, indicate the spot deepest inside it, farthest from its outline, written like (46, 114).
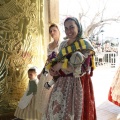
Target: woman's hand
(38, 76)
(54, 71)
(57, 66)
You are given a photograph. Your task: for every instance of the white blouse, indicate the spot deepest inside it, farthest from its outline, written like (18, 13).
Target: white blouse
(49, 51)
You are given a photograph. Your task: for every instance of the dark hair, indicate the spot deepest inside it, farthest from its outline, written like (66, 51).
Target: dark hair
(31, 70)
(78, 25)
(53, 25)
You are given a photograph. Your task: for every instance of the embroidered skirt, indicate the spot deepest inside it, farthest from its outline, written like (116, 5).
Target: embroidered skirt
(65, 101)
(114, 92)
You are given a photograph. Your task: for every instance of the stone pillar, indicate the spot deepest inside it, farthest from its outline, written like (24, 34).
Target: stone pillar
(53, 11)
(51, 15)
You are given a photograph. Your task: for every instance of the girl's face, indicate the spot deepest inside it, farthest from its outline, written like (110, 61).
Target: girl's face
(54, 32)
(71, 29)
(32, 75)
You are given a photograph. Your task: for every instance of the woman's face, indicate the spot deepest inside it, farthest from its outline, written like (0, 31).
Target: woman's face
(54, 32)
(71, 29)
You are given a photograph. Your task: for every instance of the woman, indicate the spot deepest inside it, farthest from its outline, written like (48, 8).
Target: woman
(55, 34)
(72, 97)
(52, 50)
(114, 92)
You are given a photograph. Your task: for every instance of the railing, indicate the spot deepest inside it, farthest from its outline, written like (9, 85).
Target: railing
(106, 59)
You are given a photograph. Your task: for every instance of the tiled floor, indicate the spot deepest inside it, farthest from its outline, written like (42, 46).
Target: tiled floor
(102, 80)
(108, 111)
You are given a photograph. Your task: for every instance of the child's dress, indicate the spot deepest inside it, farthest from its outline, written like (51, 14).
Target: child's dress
(26, 106)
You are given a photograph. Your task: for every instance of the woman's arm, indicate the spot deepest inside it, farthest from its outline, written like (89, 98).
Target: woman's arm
(55, 69)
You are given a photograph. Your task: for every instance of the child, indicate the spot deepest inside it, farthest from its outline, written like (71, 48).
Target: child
(26, 107)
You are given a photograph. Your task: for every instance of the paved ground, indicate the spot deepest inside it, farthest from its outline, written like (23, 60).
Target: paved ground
(102, 80)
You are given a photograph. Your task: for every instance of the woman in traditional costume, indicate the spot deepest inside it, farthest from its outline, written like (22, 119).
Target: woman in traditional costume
(72, 96)
(114, 92)
(44, 76)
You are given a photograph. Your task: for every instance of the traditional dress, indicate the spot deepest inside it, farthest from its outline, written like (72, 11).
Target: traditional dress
(114, 92)
(71, 98)
(42, 93)
(26, 108)
(88, 109)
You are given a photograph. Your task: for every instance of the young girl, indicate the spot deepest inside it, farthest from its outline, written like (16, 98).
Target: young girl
(26, 107)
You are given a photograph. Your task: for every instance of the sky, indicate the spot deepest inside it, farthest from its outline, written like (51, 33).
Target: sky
(73, 7)
(113, 30)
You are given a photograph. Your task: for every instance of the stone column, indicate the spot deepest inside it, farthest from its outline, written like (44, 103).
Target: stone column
(51, 15)
(53, 11)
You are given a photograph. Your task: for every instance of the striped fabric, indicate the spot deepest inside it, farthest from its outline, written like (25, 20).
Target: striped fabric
(81, 44)
(29, 113)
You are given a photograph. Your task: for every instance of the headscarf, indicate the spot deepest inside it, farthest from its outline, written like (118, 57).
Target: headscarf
(78, 25)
